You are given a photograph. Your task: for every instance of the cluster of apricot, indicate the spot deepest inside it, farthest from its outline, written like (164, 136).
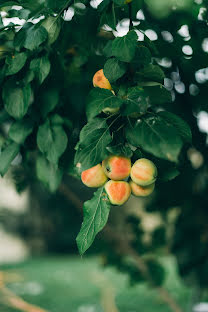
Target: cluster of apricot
(118, 169)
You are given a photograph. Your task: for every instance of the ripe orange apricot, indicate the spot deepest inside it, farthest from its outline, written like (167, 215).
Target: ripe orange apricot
(117, 167)
(118, 192)
(94, 177)
(143, 172)
(138, 190)
(99, 80)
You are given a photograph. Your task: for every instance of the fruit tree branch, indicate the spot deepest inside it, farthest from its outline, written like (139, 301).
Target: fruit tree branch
(123, 247)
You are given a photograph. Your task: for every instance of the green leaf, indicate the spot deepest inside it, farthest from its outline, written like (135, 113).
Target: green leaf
(142, 56)
(120, 150)
(96, 212)
(108, 17)
(158, 94)
(119, 2)
(35, 35)
(15, 63)
(41, 66)
(91, 150)
(114, 69)
(7, 156)
(48, 174)
(154, 135)
(169, 174)
(52, 140)
(16, 99)
(150, 73)
(20, 130)
(136, 101)
(100, 99)
(124, 48)
(4, 3)
(48, 101)
(20, 36)
(107, 50)
(53, 26)
(57, 5)
(181, 126)
(88, 130)
(21, 14)
(103, 5)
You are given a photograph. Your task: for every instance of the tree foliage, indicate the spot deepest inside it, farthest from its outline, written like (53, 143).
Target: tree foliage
(56, 120)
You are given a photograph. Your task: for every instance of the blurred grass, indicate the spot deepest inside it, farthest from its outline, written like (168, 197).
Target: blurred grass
(72, 284)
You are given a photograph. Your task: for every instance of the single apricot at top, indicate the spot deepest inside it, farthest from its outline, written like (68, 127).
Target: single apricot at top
(118, 192)
(143, 191)
(117, 167)
(143, 172)
(100, 81)
(94, 177)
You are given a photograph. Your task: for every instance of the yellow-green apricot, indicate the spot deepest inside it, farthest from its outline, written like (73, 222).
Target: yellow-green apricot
(117, 167)
(94, 177)
(118, 192)
(143, 172)
(100, 81)
(143, 191)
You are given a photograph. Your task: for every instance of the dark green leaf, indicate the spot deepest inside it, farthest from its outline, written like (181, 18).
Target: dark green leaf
(119, 2)
(100, 99)
(120, 150)
(108, 17)
(7, 156)
(52, 140)
(48, 101)
(124, 48)
(35, 35)
(181, 126)
(114, 69)
(15, 63)
(151, 73)
(136, 101)
(142, 56)
(20, 130)
(96, 213)
(53, 26)
(21, 14)
(91, 149)
(48, 173)
(107, 50)
(41, 66)
(16, 99)
(154, 135)
(158, 94)
(103, 5)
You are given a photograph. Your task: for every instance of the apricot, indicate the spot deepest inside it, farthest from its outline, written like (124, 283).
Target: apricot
(117, 167)
(143, 191)
(100, 81)
(94, 177)
(143, 172)
(118, 192)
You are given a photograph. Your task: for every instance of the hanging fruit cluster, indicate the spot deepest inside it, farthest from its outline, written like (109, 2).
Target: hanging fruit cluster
(118, 169)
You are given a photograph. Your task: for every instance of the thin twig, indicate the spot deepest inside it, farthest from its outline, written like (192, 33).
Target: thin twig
(11, 300)
(130, 16)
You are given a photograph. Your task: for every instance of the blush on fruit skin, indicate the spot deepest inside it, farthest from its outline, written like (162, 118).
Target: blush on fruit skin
(100, 81)
(143, 172)
(141, 191)
(118, 192)
(117, 167)
(94, 177)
